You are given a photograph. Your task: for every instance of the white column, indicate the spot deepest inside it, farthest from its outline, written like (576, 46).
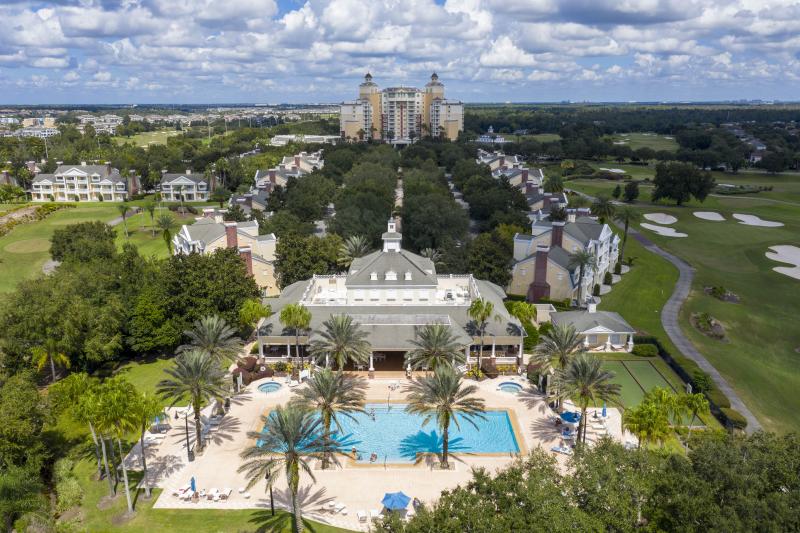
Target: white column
(608, 343)
(260, 347)
(371, 365)
(630, 342)
(586, 341)
(493, 345)
(466, 352)
(288, 350)
(520, 351)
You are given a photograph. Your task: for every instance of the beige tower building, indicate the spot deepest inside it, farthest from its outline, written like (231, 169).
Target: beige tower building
(400, 115)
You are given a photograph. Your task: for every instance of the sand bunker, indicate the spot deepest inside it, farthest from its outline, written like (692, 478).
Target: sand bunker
(752, 220)
(709, 215)
(661, 218)
(661, 230)
(786, 254)
(613, 170)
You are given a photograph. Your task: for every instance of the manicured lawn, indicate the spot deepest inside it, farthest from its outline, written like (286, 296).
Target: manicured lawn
(147, 138)
(141, 233)
(27, 247)
(646, 140)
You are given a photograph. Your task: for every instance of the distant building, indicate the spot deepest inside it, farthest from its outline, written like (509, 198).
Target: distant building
(191, 187)
(290, 166)
(490, 138)
(283, 140)
(36, 131)
(84, 183)
(512, 168)
(401, 114)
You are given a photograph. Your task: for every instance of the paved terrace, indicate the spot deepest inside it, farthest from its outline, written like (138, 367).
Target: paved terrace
(358, 487)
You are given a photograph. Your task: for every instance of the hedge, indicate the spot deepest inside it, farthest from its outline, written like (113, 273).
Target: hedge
(645, 350)
(717, 397)
(735, 419)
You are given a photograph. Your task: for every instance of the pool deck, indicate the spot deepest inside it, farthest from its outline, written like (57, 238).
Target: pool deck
(360, 487)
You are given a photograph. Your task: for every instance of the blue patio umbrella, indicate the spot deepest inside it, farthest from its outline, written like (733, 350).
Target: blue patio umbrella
(193, 484)
(395, 500)
(604, 409)
(570, 417)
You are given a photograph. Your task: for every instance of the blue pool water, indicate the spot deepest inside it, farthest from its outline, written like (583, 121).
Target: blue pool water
(396, 436)
(508, 386)
(269, 386)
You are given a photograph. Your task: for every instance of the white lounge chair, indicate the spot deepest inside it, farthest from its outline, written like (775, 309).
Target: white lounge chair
(374, 513)
(213, 494)
(226, 493)
(362, 516)
(339, 507)
(246, 495)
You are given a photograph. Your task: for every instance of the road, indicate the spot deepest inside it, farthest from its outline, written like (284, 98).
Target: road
(670, 314)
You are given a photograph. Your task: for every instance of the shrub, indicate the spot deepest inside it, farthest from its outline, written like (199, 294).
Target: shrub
(69, 493)
(531, 336)
(645, 350)
(701, 381)
(63, 469)
(475, 373)
(734, 418)
(545, 328)
(718, 292)
(618, 268)
(280, 366)
(254, 349)
(608, 278)
(718, 398)
(596, 290)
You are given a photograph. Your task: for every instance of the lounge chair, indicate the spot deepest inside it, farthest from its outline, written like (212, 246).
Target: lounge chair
(226, 493)
(213, 494)
(561, 449)
(339, 507)
(246, 495)
(362, 516)
(374, 513)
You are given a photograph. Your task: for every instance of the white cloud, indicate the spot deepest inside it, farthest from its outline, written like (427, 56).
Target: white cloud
(504, 53)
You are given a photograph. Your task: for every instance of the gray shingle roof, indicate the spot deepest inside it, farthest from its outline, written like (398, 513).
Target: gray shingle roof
(584, 229)
(400, 262)
(206, 230)
(168, 178)
(585, 321)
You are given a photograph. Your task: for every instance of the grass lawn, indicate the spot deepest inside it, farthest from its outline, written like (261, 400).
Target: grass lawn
(9, 207)
(646, 140)
(145, 139)
(27, 247)
(140, 233)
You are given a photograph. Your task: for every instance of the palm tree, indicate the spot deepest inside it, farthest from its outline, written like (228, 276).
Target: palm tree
(603, 208)
(332, 394)
(214, 336)
(481, 311)
(435, 345)
(166, 223)
(179, 189)
(625, 216)
(558, 346)
(442, 396)
(696, 404)
(648, 421)
(585, 382)
(341, 341)
(291, 437)
(352, 248)
(433, 254)
(50, 353)
(582, 260)
(142, 410)
(523, 311)
(198, 375)
(123, 210)
(150, 207)
(115, 398)
(296, 317)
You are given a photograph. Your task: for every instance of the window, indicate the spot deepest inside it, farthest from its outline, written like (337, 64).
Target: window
(374, 295)
(391, 275)
(592, 339)
(408, 276)
(391, 295)
(616, 338)
(373, 276)
(358, 296)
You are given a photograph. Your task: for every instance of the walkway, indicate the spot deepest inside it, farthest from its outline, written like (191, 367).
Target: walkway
(669, 319)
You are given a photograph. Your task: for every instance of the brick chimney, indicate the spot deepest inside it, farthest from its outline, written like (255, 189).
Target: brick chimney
(528, 187)
(540, 288)
(230, 234)
(525, 175)
(272, 177)
(557, 238)
(297, 161)
(248, 200)
(546, 202)
(247, 256)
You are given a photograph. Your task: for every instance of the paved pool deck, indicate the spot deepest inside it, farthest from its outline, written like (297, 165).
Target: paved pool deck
(358, 487)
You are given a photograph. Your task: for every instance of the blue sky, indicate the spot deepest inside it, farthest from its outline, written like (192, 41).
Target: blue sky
(271, 51)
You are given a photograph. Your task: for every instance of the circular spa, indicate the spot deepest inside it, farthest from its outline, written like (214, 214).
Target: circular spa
(269, 387)
(510, 386)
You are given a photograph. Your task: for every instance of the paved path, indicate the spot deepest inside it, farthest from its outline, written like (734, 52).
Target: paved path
(117, 221)
(669, 319)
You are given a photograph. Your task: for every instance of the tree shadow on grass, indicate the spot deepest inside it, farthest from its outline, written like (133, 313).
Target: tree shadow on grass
(264, 522)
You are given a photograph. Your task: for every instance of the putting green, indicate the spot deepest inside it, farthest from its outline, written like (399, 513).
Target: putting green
(28, 246)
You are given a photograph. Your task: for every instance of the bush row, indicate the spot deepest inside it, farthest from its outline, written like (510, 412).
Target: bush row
(41, 212)
(690, 372)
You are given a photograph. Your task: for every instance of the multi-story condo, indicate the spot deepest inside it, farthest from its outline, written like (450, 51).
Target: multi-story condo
(511, 168)
(543, 267)
(191, 187)
(70, 183)
(391, 294)
(401, 114)
(210, 233)
(290, 166)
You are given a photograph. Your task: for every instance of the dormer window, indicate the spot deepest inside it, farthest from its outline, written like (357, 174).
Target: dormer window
(373, 276)
(407, 276)
(391, 275)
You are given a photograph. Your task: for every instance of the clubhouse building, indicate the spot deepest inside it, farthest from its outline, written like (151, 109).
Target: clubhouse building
(390, 294)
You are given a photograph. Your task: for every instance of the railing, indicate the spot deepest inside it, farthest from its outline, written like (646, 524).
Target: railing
(505, 360)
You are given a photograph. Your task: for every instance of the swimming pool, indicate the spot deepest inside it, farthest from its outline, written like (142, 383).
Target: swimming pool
(269, 386)
(396, 436)
(510, 386)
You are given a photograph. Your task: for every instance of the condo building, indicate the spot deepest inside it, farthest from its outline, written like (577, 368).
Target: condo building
(400, 115)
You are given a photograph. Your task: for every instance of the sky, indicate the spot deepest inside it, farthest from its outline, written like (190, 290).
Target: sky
(294, 51)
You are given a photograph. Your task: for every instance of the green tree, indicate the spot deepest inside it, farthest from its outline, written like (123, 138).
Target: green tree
(50, 353)
(196, 375)
(332, 394)
(626, 215)
(443, 397)
(680, 182)
(617, 192)
(298, 258)
(252, 311)
(631, 192)
(297, 318)
(167, 225)
(696, 404)
(220, 196)
(585, 382)
(649, 421)
(481, 311)
(489, 259)
(557, 347)
(340, 341)
(20, 492)
(434, 345)
(291, 438)
(214, 336)
(142, 409)
(83, 242)
(353, 247)
(115, 398)
(554, 184)
(583, 260)
(150, 207)
(603, 208)
(123, 213)
(23, 415)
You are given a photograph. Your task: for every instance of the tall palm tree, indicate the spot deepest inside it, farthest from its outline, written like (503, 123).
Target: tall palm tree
(603, 208)
(585, 382)
(123, 211)
(433, 254)
(142, 410)
(340, 341)
(583, 260)
(166, 223)
(214, 336)
(625, 216)
(695, 404)
(291, 437)
(648, 421)
(435, 346)
(198, 375)
(150, 207)
(443, 396)
(332, 394)
(352, 248)
(296, 317)
(115, 398)
(558, 346)
(523, 311)
(481, 311)
(50, 353)
(180, 196)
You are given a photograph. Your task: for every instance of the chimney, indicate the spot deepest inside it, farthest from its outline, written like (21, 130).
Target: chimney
(591, 305)
(525, 174)
(546, 202)
(247, 256)
(558, 234)
(108, 167)
(528, 187)
(271, 175)
(230, 234)
(540, 288)
(297, 161)
(571, 216)
(248, 200)
(188, 171)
